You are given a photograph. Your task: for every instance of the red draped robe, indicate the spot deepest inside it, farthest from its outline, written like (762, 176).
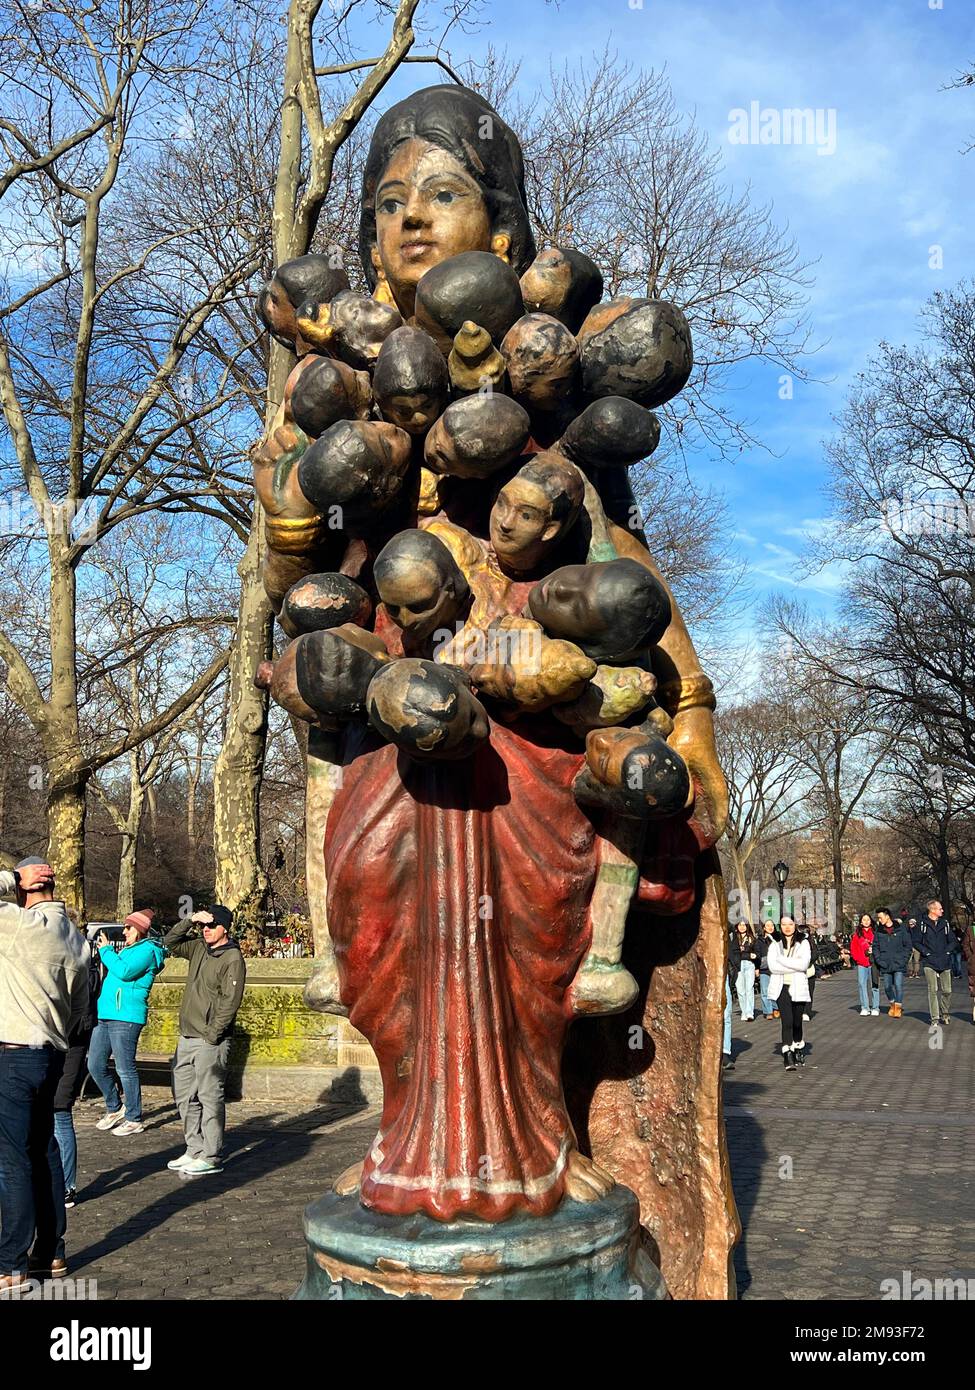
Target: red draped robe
(458, 901)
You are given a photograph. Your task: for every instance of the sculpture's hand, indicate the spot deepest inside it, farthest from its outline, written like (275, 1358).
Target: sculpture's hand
(693, 739)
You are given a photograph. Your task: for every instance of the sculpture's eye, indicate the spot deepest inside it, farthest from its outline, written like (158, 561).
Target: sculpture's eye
(389, 206)
(445, 196)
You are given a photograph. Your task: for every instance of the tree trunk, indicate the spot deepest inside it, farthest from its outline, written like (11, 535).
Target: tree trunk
(66, 808)
(240, 882)
(128, 863)
(68, 776)
(838, 876)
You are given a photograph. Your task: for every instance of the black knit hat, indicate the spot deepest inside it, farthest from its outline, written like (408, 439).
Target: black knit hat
(222, 916)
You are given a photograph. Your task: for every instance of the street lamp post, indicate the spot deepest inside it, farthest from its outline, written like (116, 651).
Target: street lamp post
(781, 872)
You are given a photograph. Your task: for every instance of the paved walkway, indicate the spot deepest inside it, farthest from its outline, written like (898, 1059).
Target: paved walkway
(846, 1174)
(862, 1165)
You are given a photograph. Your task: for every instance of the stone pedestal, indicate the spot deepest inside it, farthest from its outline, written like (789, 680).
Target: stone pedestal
(583, 1251)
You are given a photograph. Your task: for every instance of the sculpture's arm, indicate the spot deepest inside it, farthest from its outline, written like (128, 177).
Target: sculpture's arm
(687, 694)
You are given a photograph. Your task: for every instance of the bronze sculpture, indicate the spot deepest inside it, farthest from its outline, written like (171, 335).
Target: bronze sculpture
(484, 856)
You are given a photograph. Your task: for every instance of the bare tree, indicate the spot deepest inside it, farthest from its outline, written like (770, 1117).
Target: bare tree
(840, 737)
(99, 435)
(902, 470)
(767, 780)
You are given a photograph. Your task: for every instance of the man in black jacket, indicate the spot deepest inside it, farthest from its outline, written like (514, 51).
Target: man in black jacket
(211, 997)
(936, 940)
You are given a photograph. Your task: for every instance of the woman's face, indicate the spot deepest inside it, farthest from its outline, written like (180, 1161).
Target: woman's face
(131, 935)
(864, 921)
(428, 208)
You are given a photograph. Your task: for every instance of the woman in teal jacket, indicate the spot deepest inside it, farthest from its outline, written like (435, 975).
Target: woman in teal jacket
(123, 1005)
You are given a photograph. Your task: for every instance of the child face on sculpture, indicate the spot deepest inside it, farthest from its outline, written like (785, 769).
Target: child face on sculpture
(428, 208)
(420, 599)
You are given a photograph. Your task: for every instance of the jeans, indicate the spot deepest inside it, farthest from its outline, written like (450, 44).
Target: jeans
(726, 1045)
(746, 989)
(767, 1004)
(67, 1143)
(864, 984)
(939, 993)
(893, 985)
(119, 1040)
(31, 1176)
(956, 962)
(199, 1081)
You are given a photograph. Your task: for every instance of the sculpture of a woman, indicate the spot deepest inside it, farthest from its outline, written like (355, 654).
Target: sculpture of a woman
(460, 892)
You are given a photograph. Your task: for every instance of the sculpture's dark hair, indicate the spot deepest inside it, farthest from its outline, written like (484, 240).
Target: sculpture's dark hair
(408, 548)
(429, 686)
(466, 126)
(310, 277)
(561, 482)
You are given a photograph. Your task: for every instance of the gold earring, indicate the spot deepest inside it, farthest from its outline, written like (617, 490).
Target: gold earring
(382, 294)
(501, 245)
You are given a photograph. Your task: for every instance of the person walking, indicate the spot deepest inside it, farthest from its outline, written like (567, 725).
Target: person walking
(861, 944)
(812, 936)
(956, 953)
(968, 951)
(788, 961)
(43, 999)
(914, 965)
(123, 1007)
(937, 939)
(72, 1080)
(768, 1009)
(892, 948)
(211, 997)
(749, 956)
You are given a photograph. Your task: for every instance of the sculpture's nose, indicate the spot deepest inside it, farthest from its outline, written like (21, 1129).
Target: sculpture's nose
(414, 211)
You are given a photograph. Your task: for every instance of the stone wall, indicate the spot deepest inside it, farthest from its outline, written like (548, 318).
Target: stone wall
(280, 1047)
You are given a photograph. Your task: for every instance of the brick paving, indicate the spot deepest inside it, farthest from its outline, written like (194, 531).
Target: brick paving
(862, 1165)
(846, 1174)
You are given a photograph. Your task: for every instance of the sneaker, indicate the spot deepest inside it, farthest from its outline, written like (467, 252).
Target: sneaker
(177, 1163)
(198, 1167)
(805, 1018)
(727, 1063)
(70, 1197)
(933, 1026)
(109, 1119)
(864, 1013)
(874, 1013)
(946, 1020)
(130, 1127)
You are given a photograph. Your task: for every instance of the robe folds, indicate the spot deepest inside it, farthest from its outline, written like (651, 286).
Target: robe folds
(458, 897)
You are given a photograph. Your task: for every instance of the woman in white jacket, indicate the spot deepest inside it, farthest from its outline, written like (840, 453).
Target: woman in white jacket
(788, 960)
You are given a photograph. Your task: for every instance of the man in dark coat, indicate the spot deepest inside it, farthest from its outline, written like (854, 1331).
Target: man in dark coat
(937, 940)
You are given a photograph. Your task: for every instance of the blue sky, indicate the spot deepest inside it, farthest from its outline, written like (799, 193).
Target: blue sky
(868, 213)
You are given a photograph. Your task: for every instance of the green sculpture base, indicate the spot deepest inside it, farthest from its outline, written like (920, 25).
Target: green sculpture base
(584, 1250)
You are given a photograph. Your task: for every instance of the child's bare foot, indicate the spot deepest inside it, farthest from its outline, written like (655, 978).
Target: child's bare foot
(585, 1181)
(602, 987)
(348, 1182)
(322, 989)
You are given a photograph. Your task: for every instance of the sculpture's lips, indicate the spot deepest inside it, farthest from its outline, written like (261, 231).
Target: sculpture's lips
(413, 250)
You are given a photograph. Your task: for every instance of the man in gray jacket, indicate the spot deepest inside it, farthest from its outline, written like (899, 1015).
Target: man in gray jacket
(43, 997)
(211, 998)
